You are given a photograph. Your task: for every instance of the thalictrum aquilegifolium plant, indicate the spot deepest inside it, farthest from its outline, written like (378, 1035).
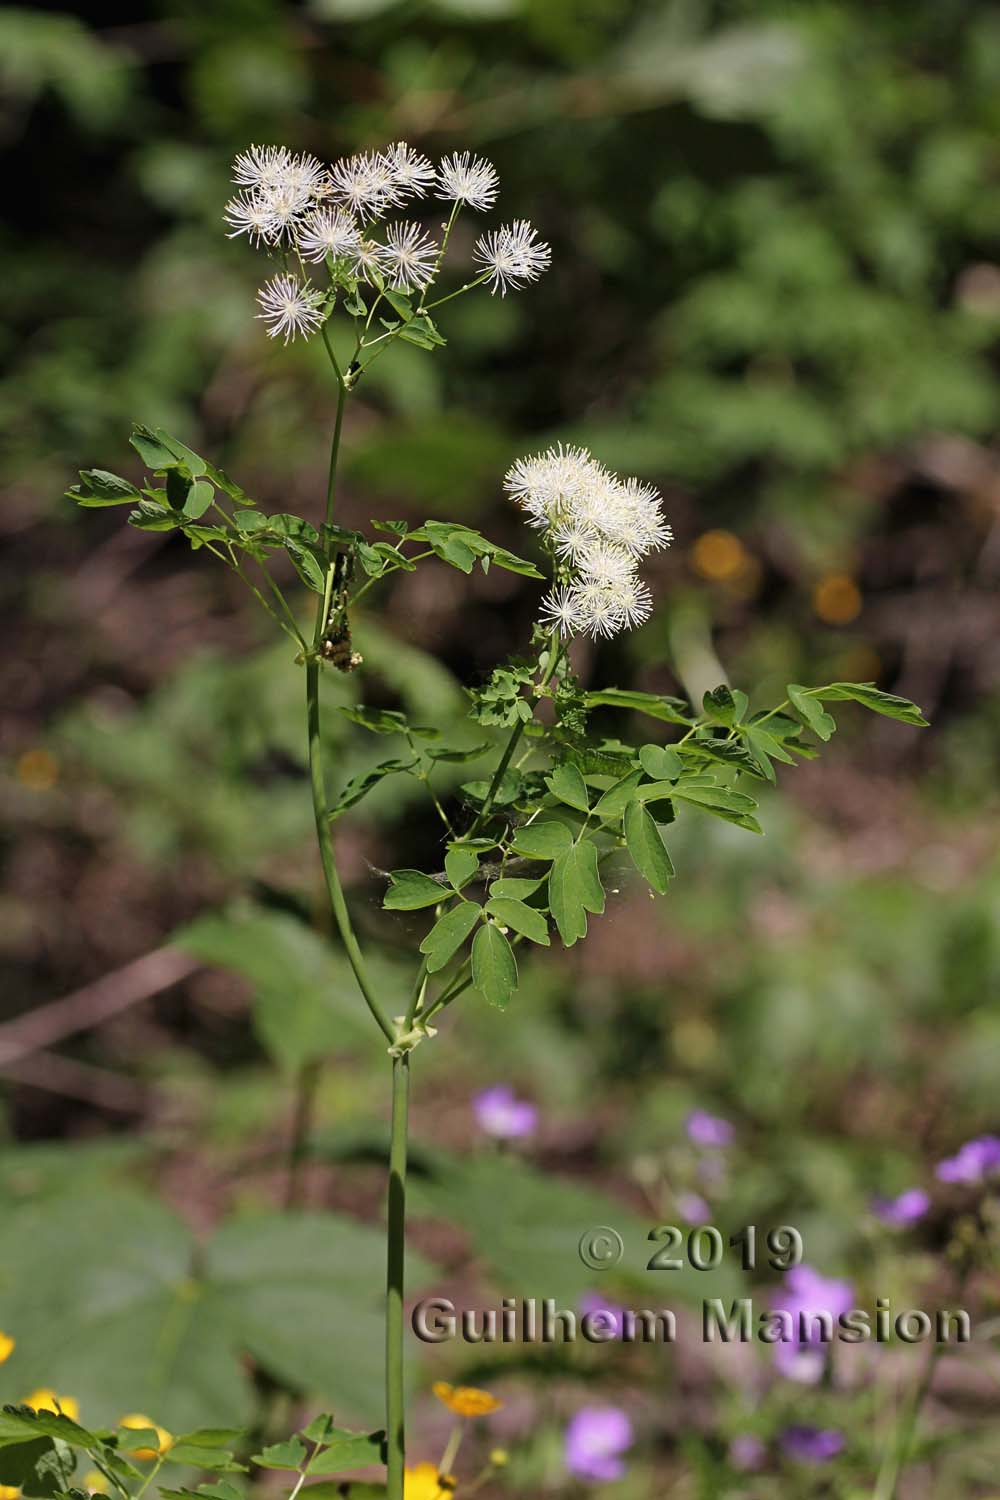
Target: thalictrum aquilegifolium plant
(523, 848)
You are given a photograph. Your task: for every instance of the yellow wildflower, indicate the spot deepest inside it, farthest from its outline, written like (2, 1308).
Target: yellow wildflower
(95, 1482)
(9, 1492)
(136, 1421)
(38, 770)
(466, 1400)
(837, 599)
(499, 1458)
(425, 1483)
(719, 556)
(45, 1399)
(6, 1347)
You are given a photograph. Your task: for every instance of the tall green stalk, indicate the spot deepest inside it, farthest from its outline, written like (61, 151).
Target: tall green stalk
(395, 1410)
(395, 1413)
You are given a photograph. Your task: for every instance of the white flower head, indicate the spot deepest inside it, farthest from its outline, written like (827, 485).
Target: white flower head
(366, 184)
(412, 173)
(598, 608)
(571, 538)
(408, 257)
(328, 231)
(548, 485)
(306, 173)
(606, 563)
(368, 259)
(464, 178)
(598, 527)
(290, 308)
(560, 611)
(287, 202)
(250, 213)
(643, 527)
(513, 255)
(261, 166)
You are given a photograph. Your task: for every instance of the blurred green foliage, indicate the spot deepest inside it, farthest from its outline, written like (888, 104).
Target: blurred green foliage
(776, 293)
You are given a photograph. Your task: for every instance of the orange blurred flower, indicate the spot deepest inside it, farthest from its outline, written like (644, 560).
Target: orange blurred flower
(837, 599)
(38, 770)
(466, 1400)
(719, 556)
(7, 1345)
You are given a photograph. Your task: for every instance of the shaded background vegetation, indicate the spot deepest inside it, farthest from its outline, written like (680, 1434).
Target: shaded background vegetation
(775, 293)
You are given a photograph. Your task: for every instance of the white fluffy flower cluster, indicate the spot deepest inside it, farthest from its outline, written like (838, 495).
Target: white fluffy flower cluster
(598, 527)
(295, 207)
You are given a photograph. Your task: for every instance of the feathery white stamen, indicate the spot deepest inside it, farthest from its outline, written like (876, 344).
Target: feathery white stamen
(366, 184)
(328, 231)
(464, 178)
(289, 308)
(412, 173)
(408, 257)
(261, 166)
(249, 213)
(560, 611)
(606, 563)
(598, 526)
(513, 255)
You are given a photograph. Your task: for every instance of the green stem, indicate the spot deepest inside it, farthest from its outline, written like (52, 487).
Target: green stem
(555, 651)
(334, 888)
(331, 478)
(887, 1484)
(395, 1412)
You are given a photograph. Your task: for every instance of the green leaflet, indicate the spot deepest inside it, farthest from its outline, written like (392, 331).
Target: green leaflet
(816, 718)
(765, 747)
(359, 786)
(286, 1455)
(568, 785)
(617, 797)
(542, 840)
(448, 934)
(494, 967)
(575, 889)
(98, 488)
(722, 802)
(412, 889)
(460, 864)
(456, 755)
(661, 762)
(646, 847)
(871, 697)
(515, 886)
(526, 920)
(19, 1424)
(344, 1450)
(309, 564)
(671, 710)
(725, 705)
(161, 452)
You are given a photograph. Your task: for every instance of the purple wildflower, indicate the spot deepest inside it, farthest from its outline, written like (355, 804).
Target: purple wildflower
(906, 1209)
(806, 1294)
(974, 1162)
(693, 1209)
(812, 1445)
(595, 1440)
(747, 1452)
(611, 1315)
(703, 1129)
(502, 1114)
